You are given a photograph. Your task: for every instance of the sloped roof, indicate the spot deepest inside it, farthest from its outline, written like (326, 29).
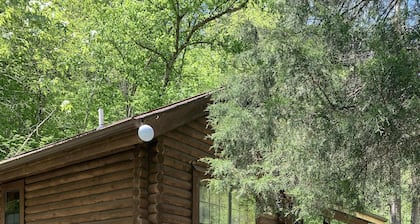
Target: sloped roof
(357, 217)
(162, 120)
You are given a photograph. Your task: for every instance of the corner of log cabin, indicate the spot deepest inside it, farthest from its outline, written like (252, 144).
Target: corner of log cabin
(171, 173)
(140, 184)
(154, 185)
(170, 190)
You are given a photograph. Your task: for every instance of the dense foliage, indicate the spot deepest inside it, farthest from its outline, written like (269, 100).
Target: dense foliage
(62, 60)
(324, 106)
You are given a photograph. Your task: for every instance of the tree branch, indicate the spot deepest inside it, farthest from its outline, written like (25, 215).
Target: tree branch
(36, 129)
(153, 50)
(209, 19)
(388, 9)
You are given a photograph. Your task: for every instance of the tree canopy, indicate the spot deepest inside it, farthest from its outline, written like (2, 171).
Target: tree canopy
(62, 60)
(324, 100)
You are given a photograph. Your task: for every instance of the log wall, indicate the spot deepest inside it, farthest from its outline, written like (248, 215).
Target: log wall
(96, 192)
(141, 183)
(170, 189)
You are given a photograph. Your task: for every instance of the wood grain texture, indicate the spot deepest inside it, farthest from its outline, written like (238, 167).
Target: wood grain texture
(173, 178)
(112, 145)
(95, 191)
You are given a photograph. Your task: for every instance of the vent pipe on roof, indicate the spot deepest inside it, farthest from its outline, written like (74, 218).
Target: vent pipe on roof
(101, 118)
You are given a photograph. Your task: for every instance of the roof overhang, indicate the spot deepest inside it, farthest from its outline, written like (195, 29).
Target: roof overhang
(356, 217)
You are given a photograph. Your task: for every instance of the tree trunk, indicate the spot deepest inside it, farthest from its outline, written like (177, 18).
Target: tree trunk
(395, 205)
(415, 210)
(415, 200)
(396, 210)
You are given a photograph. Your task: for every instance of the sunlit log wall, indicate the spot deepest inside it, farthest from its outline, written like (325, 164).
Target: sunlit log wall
(98, 191)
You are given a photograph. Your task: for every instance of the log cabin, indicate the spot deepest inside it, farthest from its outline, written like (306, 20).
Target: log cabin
(110, 176)
(354, 217)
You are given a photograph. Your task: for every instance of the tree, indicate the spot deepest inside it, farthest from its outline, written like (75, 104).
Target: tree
(30, 43)
(323, 106)
(62, 60)
(149, 42)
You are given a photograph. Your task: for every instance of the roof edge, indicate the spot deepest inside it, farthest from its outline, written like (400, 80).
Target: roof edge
(67, 143)
(109, 130)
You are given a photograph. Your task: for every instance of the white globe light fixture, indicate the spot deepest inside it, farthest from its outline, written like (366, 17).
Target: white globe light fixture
(146, 133)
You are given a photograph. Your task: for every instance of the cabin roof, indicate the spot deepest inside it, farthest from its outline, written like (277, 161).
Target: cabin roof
(357, 217)
(162, 120)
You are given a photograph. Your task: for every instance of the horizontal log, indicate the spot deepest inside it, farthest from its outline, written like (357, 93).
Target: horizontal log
(123, 156)
(174, 219)
(95, 189)
(193, 153)
(203, 121)
(170, 190)
(171, 209)
(175, 182)
(171, 181)
(85, 209)
(198, 126)
(178, 153)
(168, 199)
(98, 149)
(198, 135)
(89, 217)
(177, 164)
(98, 180)
(80, 201)
(177, 201)
(123, 184)
(188, 140)
(173, 172)
(112, 221)
(73, 177)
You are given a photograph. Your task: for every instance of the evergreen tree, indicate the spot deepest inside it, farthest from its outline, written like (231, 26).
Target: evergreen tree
(323, 106)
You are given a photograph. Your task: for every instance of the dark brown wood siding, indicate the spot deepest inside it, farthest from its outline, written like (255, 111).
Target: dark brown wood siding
(98, 191)
(170, 198)
(141, 184)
